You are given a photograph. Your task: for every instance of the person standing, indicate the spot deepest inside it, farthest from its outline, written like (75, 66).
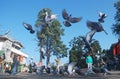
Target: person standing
(116, 53)
(58, 65)
(31, 65)
(116, 49)
(15, 65)
(89, 62)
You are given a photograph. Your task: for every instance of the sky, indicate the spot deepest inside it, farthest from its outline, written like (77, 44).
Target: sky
(14, 12)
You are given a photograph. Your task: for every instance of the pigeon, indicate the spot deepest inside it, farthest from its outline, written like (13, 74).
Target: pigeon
(96, 26)
(87, 44)
(7, 32)
(66, 23)
(102, 17)
(70, 67)
(69, 19)
(43, 52)
(89, 36)
(49, 17)
(28, 27)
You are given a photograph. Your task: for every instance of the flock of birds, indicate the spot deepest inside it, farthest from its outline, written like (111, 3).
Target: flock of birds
(68, 20)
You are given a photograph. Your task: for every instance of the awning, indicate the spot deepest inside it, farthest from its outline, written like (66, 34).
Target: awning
(18, 52)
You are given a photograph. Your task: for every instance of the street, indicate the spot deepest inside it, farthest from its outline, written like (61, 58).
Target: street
(114, 75)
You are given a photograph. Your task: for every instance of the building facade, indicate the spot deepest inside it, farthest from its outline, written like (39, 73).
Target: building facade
(10, 47)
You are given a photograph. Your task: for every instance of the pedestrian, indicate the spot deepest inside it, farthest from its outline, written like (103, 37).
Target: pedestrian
(103, 67)
(116, 49)
(116, 54)
(31, 65)
(15, 65)
(89, 62)
(58, 64)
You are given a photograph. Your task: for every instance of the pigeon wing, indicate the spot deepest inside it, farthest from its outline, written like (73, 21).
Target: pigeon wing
(27, 26)
(87, 45)
(91, 25)
(67, 23)
(32, 31)
(100, 28)
(64, 14)
(53, 16)
(47, 17)
(100, 14)
(75, 19)
(7, 32)
(70, 67)
(89, 35)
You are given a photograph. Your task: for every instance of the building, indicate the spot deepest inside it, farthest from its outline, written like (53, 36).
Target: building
(10, 47)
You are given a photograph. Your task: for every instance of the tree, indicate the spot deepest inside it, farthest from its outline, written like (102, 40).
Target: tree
(49, 36)
(116, 26)
(77, 52)
(96, 46)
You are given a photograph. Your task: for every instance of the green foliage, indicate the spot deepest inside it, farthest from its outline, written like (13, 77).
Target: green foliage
(50, 36)
(77, 53)
(96, 47)
(41, 16)
(116, 26)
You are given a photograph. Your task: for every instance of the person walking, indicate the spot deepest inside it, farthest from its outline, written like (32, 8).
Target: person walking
(116, 50)
(58, 65)
(103, 67)
(116, 54)
(89, 62)
(31, 65)
(15, 65)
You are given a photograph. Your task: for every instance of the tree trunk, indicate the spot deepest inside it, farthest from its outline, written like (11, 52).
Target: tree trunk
(40, 55)
(48, 59)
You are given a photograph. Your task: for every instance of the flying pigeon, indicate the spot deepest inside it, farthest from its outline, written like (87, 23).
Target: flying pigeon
(7, 32)
(49, 17)
(69, 19)
(87, 44)
(95, 26)
(29, 27)
(102, 17)
(70, 67)
(43, 52)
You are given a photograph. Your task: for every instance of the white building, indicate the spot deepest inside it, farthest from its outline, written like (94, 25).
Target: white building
(10, 47)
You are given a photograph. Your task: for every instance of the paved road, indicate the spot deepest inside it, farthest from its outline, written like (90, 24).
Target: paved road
(115, 75)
